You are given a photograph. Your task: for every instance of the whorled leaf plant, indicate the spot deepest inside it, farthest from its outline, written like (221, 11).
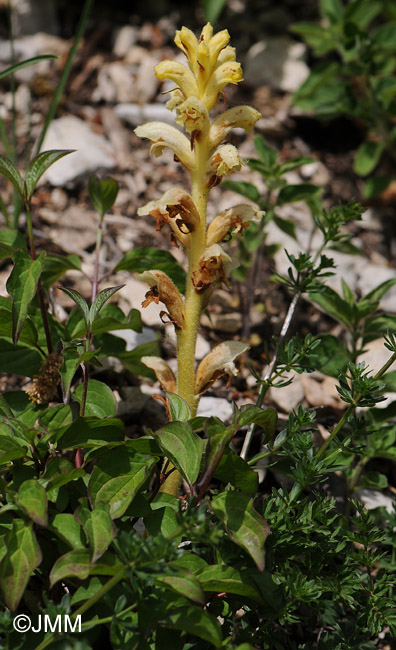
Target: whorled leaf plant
(198, 88)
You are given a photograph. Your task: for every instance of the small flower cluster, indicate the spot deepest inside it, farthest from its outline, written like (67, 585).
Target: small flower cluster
(45, 384)
(212, 65)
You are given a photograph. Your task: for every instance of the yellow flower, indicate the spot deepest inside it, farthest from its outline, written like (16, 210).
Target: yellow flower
(176, 208)
(218, 362)
(163, 135)
(192, 115)
(224, 160)
(237, 218)
(177, 72)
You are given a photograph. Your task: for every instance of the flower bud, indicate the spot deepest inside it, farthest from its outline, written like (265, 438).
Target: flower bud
(237, 218)
(218, 362)
(163, 290)
(163, 372)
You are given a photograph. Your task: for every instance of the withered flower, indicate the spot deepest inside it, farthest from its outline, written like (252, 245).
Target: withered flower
(218, 362)
(163, 372)
(177, 209)
(213, 268)
(237, 218)
(43, 388)
(163, 290)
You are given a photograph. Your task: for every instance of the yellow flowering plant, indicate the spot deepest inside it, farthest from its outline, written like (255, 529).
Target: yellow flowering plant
(202, 152)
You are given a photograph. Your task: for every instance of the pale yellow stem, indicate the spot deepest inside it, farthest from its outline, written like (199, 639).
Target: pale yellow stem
(187, 337)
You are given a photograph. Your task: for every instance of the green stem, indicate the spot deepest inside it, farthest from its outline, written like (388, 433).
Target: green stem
(66, 72)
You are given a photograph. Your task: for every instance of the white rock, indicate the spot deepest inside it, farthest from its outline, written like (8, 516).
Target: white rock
(288, 397)
(30, 46)
(374, 499)
(136, 114)
(278, 62)
(124, 38)
(93, 151)
(133, 339)
(215, 406)
(114, 84)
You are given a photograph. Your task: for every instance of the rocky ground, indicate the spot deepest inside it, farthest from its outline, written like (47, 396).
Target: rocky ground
(112, 89)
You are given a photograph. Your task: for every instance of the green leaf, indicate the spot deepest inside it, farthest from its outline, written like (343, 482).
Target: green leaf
(178, 408)
(131, 360)
(145, 259)
(220, 578)
(74, 564)
(248, 190)
(375, 185)
(70, 364)
(185, 584)
(384, 37)
(361, 12)
(102, 194)
(100, 300)
(197, 622)
(212, 9)
(301, 192)
(100, 400)
(235, 470)
(22, 285)
(22, 64)
(8, 169)
(99, 529)
(333, 304)
(268, 155)
(11, 239)
(39, 165)
(55, 267)
(79, 300)
(373, 480)
(28, 333)
(263, 417)
(183, 448)
(380, 291)
(367, 157)
(295, 163)
(330, 356)
(22, 557)
(32, 498)
(316, 36)
(117, 478)
(286, 226)
(245, 526)
(332, 9)
(19, 359)
(68, 529)
(90, 432)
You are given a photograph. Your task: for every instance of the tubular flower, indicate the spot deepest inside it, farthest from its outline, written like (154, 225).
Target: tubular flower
(223, 161)
(244, 117)
(176, 208)
(218, 362)
(192, 115)
(163, 290)
(213, 267)
(163, 135)
(229, 72)
(177, 72)
(163, 372)
(237, 218)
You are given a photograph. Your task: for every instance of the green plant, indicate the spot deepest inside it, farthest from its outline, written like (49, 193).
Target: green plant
(86, 526)
(357, 41)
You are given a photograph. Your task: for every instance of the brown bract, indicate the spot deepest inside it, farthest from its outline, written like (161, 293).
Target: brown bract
(163, 290)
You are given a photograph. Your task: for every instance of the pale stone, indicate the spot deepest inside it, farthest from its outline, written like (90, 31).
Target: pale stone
(278, 62)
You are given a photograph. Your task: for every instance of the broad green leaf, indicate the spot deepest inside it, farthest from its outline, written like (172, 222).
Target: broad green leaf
(100, 400)
(22, 557)
(332, 9)
(374, 480)
(55, 267)
(79, 300)
(375, 185)
(375, 327)
(235, 470)
(384, 37)
(68, 529)
(322, 76)
(70, 364)
(248, 190)
(90, 432)
(178, 408)
(245, 646)
(212, 9)
(56, 417)
(74, 564)
(268, 155)
(22, 285)
(99, 529)
(117, 478)
(22, 64)
(13, 238)
(6, 250)
(185, 584)
(39, 165)
(144, 259)
(19, 359)
(183, 448)
(330, 356)
(368, 156)
(32, 498)
(28, 333)
(88, 589)
(219, 578)
(333, 304)
(302, 192)
(62, 479)
(10, 449)
(102, 194)
(8, 169)
(286, 226)
(316, 36)
(263, 417)
(380, 291)
(100, 300)
(245, 526)
(163, 520)
(197, 622)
